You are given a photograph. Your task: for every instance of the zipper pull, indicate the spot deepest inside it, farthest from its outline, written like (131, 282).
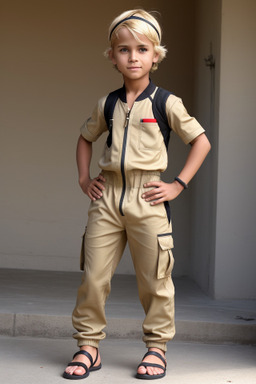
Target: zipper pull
(127, 118)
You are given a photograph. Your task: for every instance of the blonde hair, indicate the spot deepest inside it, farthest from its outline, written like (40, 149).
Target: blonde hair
(138, 21)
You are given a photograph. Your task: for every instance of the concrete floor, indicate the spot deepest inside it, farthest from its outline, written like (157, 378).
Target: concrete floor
(42, 361)
(39, 304)
(36, 329)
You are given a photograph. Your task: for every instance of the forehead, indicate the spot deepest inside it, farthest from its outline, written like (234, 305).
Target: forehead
(124, 36)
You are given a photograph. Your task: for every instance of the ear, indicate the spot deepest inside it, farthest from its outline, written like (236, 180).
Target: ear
(156, 57)
(111, 56)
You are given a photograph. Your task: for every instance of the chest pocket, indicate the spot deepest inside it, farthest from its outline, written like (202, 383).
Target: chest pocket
(150, 136)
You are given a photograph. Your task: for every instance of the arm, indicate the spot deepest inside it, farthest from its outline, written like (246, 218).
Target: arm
(91, 187)
(200, 147)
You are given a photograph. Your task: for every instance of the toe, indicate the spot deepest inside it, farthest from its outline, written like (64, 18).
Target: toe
(79, 371)
(75, 370)
(70, 370)
(154, 371)
(150, 371)
(142, 370)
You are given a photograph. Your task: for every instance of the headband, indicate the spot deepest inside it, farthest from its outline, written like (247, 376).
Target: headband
(136, 18)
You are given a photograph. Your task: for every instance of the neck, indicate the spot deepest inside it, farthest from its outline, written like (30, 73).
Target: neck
(136, 87)
(133, 90)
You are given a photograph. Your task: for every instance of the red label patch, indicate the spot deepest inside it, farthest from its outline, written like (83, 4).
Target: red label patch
(148, 120)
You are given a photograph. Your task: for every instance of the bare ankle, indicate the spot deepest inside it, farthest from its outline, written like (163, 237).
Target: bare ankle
(89, 348)
(155, 349)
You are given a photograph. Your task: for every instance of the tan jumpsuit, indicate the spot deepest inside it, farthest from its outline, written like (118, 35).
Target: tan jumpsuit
(137, 155)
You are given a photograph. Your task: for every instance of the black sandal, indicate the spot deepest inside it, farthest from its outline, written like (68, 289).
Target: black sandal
(145, 364)
(77, 363)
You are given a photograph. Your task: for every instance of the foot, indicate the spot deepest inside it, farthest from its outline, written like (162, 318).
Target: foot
(152, 371)
(80, 371)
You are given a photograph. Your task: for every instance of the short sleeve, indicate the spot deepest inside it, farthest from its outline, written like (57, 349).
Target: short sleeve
(93, 128)
(184, 125)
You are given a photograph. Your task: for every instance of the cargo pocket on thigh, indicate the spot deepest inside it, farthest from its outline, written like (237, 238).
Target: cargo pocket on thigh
(82, 252)
(165, 256)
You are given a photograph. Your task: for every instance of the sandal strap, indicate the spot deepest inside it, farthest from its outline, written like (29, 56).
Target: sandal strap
(153, 353)
(77, 363)
(152, 365)
(96, 358)
(85, 353)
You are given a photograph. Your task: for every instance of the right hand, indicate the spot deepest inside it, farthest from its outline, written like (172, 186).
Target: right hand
(93, 187)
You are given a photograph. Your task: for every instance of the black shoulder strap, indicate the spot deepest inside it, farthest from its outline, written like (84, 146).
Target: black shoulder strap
(159, 112)
(109, 107)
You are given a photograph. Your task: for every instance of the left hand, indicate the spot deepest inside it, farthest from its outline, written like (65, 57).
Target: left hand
(161, 191)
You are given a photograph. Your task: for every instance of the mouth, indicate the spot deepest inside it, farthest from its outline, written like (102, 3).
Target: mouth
(133, 68)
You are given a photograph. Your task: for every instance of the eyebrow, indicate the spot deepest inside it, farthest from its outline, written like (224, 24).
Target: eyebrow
(127, 45)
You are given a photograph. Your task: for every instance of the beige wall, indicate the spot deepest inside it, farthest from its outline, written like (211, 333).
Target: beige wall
(52, 73)
(235, 262)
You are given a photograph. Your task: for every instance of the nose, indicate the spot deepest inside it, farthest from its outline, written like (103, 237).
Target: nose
(132, 56)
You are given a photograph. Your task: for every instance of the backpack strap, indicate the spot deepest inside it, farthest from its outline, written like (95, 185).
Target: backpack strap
(109, 107)
(159, 112)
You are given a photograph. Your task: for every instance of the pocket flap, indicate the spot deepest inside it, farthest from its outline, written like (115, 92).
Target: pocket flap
(165, 241)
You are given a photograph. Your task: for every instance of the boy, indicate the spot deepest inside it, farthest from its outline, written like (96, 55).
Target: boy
(129, 202)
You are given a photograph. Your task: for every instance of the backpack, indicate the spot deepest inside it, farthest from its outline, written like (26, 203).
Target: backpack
(158, 107)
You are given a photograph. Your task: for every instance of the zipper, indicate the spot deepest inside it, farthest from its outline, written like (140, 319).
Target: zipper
(122, 161)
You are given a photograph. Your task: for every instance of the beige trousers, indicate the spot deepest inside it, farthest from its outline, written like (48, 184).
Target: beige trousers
(149, 235)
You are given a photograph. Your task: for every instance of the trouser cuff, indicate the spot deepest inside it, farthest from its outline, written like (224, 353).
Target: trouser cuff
(90, 343)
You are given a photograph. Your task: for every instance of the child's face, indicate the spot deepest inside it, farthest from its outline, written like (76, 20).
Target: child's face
(133, 58)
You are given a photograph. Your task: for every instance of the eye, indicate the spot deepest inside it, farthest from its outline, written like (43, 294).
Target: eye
(143, 49)
(123, 50)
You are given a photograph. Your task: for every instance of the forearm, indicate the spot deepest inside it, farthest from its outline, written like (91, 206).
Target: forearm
(83, 158)
(198, 152)
(92, 188)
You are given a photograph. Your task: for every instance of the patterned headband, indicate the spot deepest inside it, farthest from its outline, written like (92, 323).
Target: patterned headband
(136, 18)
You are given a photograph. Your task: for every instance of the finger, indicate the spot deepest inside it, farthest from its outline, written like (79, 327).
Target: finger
(91, 196)
(152, 184)
(152, 192)
(154, 196)
(101, 177)
(96, 192)
(158, 201)
(99, 185)
(95, 185)
(93, 192)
